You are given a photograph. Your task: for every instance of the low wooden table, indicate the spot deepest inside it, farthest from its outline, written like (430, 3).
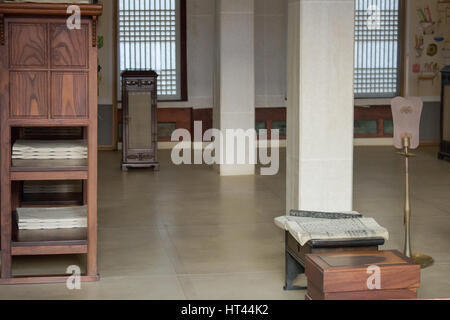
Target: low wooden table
(296, 254)
(362, 275)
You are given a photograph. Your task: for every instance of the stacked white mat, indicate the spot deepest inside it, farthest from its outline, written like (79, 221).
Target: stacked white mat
(50, 150)
(306, 228)
(52, 218)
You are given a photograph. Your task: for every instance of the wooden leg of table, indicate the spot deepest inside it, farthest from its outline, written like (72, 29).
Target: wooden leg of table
(293, 270)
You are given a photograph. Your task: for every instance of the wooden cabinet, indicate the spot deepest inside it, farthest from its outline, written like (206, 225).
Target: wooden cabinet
(48, 67)
(140, 135)
(48, 80)
(444, 152)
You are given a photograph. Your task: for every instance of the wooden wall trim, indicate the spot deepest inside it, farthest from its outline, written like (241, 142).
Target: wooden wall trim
(49, 9)
(375, 113)
(185, 118)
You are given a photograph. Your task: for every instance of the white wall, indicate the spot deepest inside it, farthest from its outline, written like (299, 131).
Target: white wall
(270, 54)
(200, 53)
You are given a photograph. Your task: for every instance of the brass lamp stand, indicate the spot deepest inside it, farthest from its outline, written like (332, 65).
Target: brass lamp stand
(422, 259)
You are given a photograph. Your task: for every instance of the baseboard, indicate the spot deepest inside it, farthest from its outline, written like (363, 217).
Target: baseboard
(359, 142)
(387, 142)
(430, 143)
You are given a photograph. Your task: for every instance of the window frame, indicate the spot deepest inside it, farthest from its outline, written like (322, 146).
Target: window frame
(401, 60)
(182, 50)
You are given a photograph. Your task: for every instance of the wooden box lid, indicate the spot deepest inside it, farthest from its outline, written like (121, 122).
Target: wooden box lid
(349, 271)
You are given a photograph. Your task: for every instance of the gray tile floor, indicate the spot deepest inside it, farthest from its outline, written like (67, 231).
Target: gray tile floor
(186, 233)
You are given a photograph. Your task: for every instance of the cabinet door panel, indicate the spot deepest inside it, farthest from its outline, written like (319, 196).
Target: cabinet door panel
(69, 95)
(140, 120)
(28, 94)
(446, 114)
(69, 48)
(28, 45)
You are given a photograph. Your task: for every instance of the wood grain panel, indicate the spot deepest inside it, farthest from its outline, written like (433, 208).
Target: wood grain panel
(182, 117)
(69, 48)
(40, 250)
(205, 116)
(395, 294)
(28, 94)
(48, 9)
(28, 45)
(69, 95)
(347, 271)
(48, 176)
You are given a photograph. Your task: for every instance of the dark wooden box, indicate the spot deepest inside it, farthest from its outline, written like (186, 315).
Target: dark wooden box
(345, 275)
(296, 254)
(139, 119)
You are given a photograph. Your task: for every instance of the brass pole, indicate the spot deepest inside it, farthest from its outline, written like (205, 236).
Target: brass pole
(422, 259)
(407, 249)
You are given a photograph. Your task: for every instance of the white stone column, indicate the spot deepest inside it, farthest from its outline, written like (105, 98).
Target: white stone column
(235, 75)
(320, 105)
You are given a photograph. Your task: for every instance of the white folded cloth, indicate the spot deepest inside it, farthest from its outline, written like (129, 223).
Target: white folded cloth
(306, 229)
(49, 149)
(52, 218)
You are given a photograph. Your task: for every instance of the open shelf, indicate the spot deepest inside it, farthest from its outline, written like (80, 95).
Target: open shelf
(45, 248)
(48, 165)
(30, 155)
(48, 236)
(48, 241)
(24, 168)
(53, 199)
(50, 193)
